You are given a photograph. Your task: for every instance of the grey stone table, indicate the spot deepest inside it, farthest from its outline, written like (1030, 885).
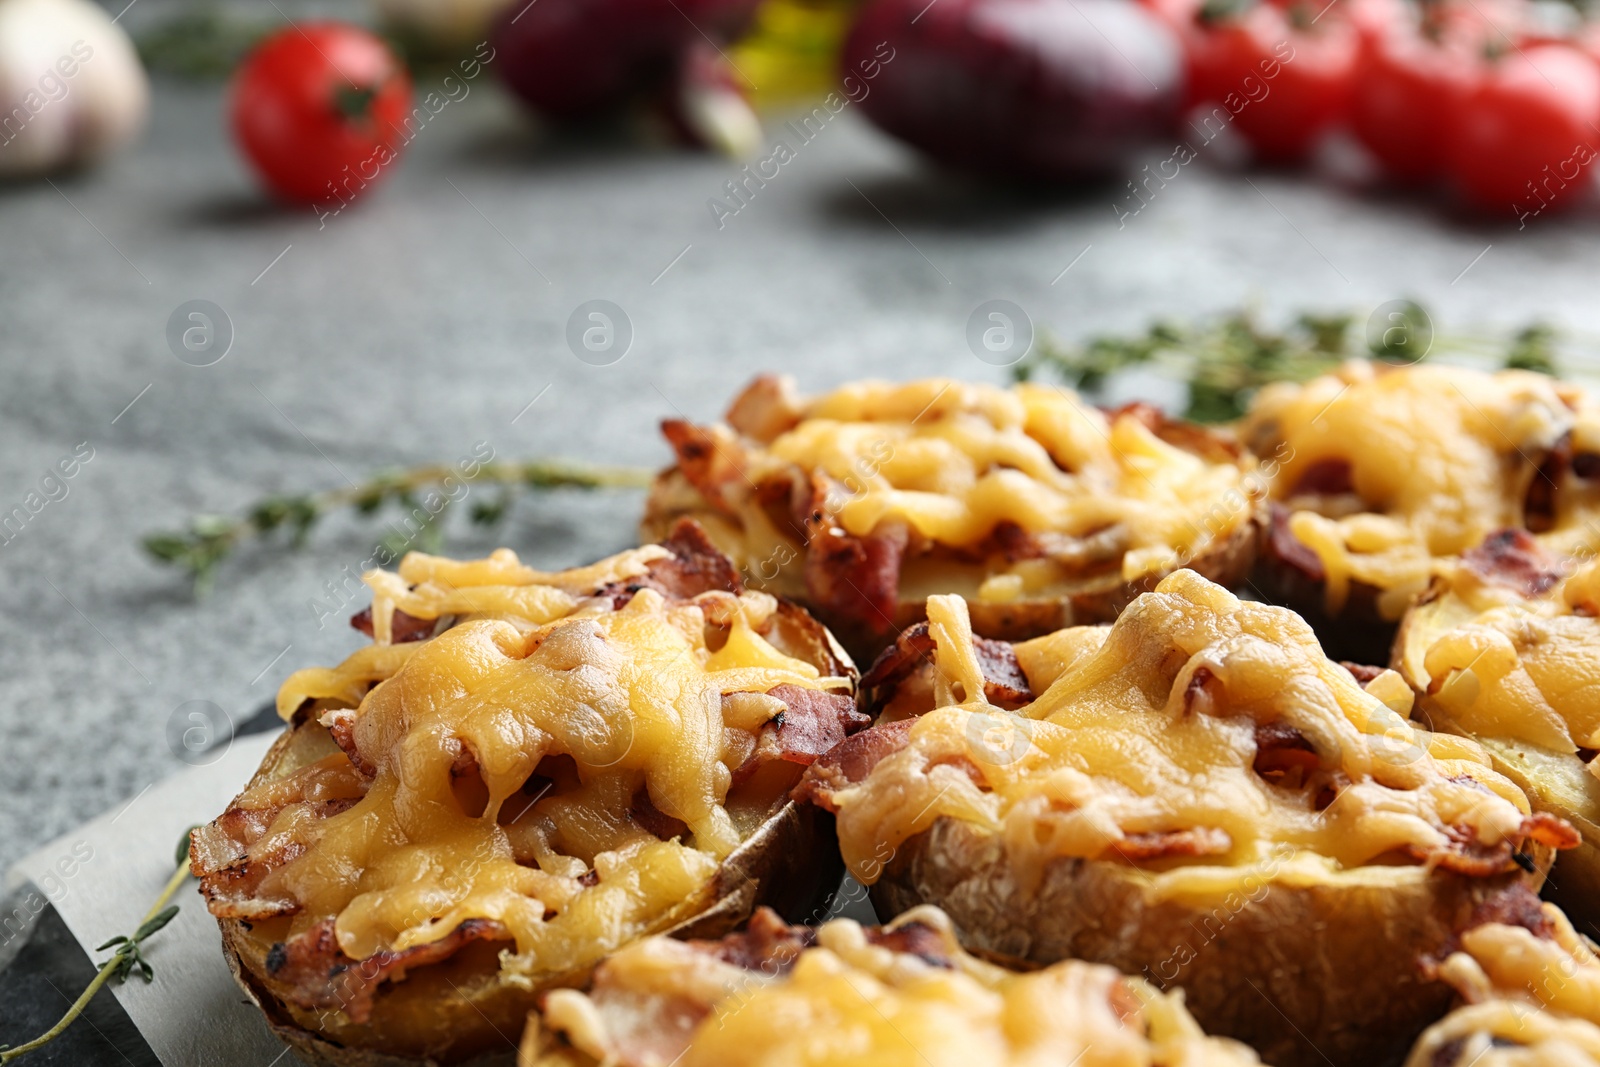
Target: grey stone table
(433, 316)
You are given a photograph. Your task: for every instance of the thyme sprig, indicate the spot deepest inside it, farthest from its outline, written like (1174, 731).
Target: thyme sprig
(1225, 360)
(210, 539)
(127, 959)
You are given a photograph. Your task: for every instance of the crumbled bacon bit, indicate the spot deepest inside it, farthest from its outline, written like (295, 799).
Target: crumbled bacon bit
(1330, 476)
(850, 762)
(814, 722)
(914, 939)
(1361, 671)
(1539, 506)
(1163, 844)
(767, 408)
(403, 628)
(654, 820)
(696, 566)
(314, 973)
(1283, 755)
(708, 458)
(1004, 682)
(1282, 544)
(767, 944)
(855, 580)
(1513, 558)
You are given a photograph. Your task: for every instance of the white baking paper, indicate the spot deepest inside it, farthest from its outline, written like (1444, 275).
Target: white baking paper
(104, 876)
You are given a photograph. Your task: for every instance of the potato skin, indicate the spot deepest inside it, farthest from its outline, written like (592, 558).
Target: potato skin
(1555, 782)
(1357, 633)
(1095, 600)
(462, 1010)
(1335, 967)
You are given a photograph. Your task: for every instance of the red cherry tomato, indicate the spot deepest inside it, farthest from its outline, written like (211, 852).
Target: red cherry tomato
(1284, 87)
(1406, 96)
(1523, 139)
(319, 110)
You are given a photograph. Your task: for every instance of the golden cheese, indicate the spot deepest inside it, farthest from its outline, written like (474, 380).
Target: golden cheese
(1439, 457)
(850, 1003)
(1500, 665)
(455, 725)
(1530, 1001)
(1151, 729)
(952, 460)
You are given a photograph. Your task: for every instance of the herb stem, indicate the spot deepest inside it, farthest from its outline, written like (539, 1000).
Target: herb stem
(100, 979)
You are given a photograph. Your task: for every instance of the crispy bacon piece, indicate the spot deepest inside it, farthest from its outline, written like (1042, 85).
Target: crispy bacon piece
(813, 722)
(1085, 554)
(653, 819)
(850, 762)
(1329, 476)
(914, 939)
(767, 944)
(1512, 558)
(233, 854)
(1361, 672)
(402, 628)
(1004, 682)
(1283, 755)
(768, 407)
(1464, 854)
(696, 566)
(1539, 505)
(1516, 905)
(855, 579)
(1281, 543)
(709, 457)
(1164, 844)
(811, 725)
(342, 728)
(315, 974)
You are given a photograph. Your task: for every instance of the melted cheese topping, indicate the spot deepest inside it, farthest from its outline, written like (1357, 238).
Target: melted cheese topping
(1154, 731)
(534, 668)
(1498, 665)
(1531, 1001)
(951, 460)
(849, 1003)
(1439, 458)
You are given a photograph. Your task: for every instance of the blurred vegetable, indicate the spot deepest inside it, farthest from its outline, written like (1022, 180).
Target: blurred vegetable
(1406, 97)
(1523, 138)
(318, 109)
(581, 59)
(434, 28)
(1283, 74)
(1021, 89)
(792, 52)
(70, 83)
(203, 39)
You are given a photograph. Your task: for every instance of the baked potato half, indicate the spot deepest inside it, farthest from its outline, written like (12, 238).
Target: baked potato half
(1530, 992)
(1505, 649)
(1041, 510)
(1377, 474)
(843, 995)
(1194, 794)
(524, 772)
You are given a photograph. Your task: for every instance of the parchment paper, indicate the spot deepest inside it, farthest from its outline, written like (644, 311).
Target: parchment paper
(104, 876)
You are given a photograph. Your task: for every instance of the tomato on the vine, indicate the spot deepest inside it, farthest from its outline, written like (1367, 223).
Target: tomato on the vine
(1523, 139)
(1406, 96)
(318, 109)
(1284, 76)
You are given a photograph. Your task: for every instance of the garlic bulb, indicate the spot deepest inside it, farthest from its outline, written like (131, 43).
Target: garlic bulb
(441, 24)
(71, 87)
